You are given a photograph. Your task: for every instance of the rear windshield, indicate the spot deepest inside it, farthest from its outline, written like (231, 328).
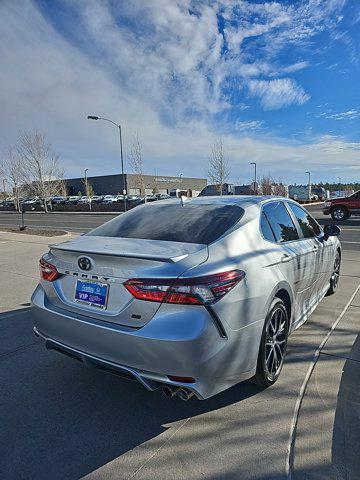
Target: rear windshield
(188, 223)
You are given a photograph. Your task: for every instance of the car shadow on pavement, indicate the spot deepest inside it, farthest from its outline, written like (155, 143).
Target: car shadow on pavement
(61, 420)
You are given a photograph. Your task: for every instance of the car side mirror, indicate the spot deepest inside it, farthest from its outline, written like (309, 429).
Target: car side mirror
(331, 231)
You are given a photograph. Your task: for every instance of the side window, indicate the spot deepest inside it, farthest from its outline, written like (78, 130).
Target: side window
(266, 229)
(308, 225)
(280, 221)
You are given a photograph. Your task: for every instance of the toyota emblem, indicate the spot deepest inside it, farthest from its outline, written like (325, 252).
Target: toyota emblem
(85, 263)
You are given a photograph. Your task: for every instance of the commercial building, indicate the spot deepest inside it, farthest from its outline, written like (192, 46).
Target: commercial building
(113, 184)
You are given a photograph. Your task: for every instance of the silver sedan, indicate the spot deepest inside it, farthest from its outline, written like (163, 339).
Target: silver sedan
(192, 296)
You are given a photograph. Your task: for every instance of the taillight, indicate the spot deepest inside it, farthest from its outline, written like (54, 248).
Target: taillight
(189, 291)
(48, 271)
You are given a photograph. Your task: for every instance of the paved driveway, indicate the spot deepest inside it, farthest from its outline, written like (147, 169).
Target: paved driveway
(60, 420)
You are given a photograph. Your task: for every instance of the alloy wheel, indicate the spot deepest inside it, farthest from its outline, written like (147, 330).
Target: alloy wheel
(276, 339)
(339, 214)
(336, 273)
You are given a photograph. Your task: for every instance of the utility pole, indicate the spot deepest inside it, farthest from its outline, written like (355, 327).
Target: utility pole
(309, 185)
(255, 177)
(86, 188)
(124, 190)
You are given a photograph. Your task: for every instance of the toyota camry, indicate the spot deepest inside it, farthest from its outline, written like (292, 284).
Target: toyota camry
(188, 295)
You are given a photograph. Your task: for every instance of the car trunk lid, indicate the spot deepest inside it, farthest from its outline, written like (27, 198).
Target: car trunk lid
(113, 261)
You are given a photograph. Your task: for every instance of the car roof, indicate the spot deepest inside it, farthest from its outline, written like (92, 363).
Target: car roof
(241, 200)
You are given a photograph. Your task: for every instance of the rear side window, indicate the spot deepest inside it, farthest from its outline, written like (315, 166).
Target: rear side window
(266, 229)
(308, 225)
(173, 222)
(280, 221)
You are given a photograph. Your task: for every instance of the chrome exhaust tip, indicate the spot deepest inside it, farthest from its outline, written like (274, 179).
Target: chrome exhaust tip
(169, 391)
(185, 394)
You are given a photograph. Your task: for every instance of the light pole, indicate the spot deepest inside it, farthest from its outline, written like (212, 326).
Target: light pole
(86, 187)
(255, 179)
(85, 177)
(94, 117)
(180, 180)
(309, 185)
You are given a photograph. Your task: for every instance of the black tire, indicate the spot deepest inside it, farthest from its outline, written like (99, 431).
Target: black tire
(334, 280)
(340, 213)
(268, 365)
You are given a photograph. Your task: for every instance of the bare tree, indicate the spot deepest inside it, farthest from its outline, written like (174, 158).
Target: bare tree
(218, 168)
(89, 190)
(279, 188)
(39, 165)
(10, 169)
(271, 187)
(266, 185)
(62, 188)
(155, 188)
(136, 163)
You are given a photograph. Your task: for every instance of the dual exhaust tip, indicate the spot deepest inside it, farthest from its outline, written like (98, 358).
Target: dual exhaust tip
(170, 391)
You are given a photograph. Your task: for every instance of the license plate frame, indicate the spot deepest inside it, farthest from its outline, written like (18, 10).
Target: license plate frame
(93, 294)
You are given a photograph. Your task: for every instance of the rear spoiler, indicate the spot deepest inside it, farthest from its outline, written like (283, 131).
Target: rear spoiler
(143, 256)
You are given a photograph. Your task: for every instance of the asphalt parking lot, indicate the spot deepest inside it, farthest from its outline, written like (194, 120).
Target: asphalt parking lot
(61, 420)
(83, 222)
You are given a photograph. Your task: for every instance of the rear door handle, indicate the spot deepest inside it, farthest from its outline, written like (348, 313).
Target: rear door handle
(286, 258)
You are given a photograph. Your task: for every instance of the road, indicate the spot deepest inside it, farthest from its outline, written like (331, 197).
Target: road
(80, 223)
(61, 420)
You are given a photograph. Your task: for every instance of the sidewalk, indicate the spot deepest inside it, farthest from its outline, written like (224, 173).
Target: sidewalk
(19, 256)
(328, 430)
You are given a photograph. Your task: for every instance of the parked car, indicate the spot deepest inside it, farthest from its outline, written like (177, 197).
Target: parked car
(84, 200)
(9, 202)
(97, 199)
(162, 196)
(73, 200)
(32, 201)
(58, 200)
(192, 297)
(150, 198)
(109, 199)
(342, 208)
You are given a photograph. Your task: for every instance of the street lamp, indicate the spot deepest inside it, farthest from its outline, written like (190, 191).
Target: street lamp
(86, 187)
(180, 180)
(94, 117)
(85, 176)
(255, 179)
(309, 184)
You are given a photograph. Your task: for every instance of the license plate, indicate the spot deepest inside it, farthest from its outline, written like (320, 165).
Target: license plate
(92, 293)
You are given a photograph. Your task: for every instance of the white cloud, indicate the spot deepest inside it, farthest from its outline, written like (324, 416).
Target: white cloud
(248, 126)
(279, 93)
(162, 80)
(347, 115)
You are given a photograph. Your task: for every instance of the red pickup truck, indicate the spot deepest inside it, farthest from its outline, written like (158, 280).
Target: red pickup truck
(342, 208)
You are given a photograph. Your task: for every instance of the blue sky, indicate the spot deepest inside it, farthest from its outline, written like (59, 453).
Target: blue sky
(278, 81)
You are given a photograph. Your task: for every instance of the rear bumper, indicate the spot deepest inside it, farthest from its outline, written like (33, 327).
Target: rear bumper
(176, 342)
